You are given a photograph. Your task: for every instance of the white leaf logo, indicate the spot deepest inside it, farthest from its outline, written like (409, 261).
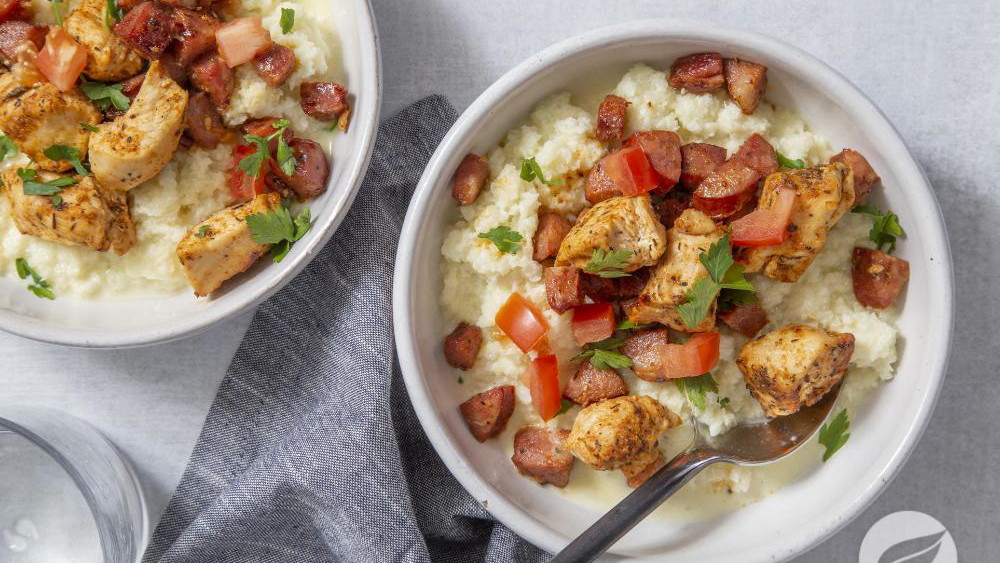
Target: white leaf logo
(917, 550)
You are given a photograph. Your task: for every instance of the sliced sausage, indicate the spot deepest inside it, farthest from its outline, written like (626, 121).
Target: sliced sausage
(470, 177)
(176, 71)
(865, 177)
(195, 35)
(591, 385)
(264, 127)
(698, 160)
(13, 34)
(275, 64)
(631, 286)
(745, 82)
(747, 319)
(611, 118)
(461, 347)
(212, 75)
(324, 101)
(538, 454)
(645, 348)
(878, 278)
(552, 229)
(670, 208)
(149, 28)
(728, 189)
(311, 169)
(562, 288)
(203, 123)
(663, 149)
(700, 72)
(759, 154)
(599, 289)
(487, 413)
(599, 185)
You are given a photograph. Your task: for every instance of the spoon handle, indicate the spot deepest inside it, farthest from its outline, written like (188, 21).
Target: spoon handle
(632, 509)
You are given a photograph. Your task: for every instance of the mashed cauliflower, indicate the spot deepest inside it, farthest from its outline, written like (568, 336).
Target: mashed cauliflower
(193, 185)
(560, 136)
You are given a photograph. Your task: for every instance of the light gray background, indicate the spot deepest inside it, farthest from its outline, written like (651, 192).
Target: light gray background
(931, 66)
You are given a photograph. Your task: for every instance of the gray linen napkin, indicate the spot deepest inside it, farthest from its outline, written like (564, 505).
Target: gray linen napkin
(311, 451)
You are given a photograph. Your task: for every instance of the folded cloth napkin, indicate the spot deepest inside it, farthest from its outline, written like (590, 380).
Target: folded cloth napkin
(311, 451)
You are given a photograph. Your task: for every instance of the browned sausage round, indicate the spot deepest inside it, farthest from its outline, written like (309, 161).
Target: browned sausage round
(311, 169)
(698, 160)
(663, 149)
(878, 277)
(591, 385)
(700, 72)
(611, 118)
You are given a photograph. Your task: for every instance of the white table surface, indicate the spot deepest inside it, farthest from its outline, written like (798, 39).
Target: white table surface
(931, 66)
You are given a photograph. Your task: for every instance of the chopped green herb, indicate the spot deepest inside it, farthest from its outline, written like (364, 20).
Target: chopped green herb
(68, 154)
(57, 11)
(33, 187)
(112, 13)
(697, 302)
(89, 127)
(885, 226)
(785, 162)
(696, 388)
(277, 228)
(202, 231)
(604, 355)
(723, 274)
(7, 147)
(106, 95)
(506, 240)
(564, 406)
(39, 286)
(287, 20)
(608, 263)
(57, 200)
(629, 325)
(834, 434)
(530, 171)
(724, 402)
(252, 163)
(460, 380)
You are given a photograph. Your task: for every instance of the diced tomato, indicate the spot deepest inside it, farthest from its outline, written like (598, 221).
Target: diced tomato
(242, 186)
(522, 322)
(696, 356)
(62, 59)
(242, 39)
(543, 381)
(766, 227)
(593, 322)
(630, 170)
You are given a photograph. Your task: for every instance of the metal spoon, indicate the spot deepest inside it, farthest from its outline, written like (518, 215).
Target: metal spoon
(747, 444)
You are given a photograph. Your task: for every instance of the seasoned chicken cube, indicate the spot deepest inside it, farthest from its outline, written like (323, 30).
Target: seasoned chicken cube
(620, 433)
(693, 233)
(220, 247)
(109, 59)
(41, 116)
(136, 146)
(619, 223)
(824, 194)
(794, 366)
(86, 214)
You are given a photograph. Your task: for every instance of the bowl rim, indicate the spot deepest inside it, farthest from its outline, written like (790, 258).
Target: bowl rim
(179, 328)
(807, 67)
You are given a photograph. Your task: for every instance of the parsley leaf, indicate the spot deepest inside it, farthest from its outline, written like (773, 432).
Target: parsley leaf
(69, 154)
(56, 200)
(33, 187)
(57, 11)
(603, 354)
(834, 434)
(530, 170)
(277, 228)
(885, 226)
(202, 231)
(287, 20)
(724, 402)
(565, 405)
(252, 163)
(608, 263)
(718, 259)
(39, 286)
(723, 273)
(734, 279)
(629, 325)
(697, 302)
(106, 95)
(285, 157)
(506, 240)
(89, 127)
(696, 388)
(112, 13)
(7, 147)
(785, 162)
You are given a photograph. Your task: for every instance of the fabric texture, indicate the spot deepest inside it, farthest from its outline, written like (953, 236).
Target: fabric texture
(311, 451)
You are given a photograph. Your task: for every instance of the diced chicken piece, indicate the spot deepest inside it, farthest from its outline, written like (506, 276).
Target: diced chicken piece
(635, 476)
(645, 349)
(824, 194)
(620, 433)
(698, 160)
(275, 64)
(878, 278)
(212, 75)
(611, 118)
(195, 35)
(202, 121)
(759, 154)
(663, 149)
(135, 147)
(746, 82)
(600, 186)
(562, 288)
(692, 233)
(591, 385)
(42, 116)
(461, 346)
(747, 319)
(865, 177)
(700, 72)
(17, 35)
(540, 455)
(552, 229)
(109, 59)
(728, 189)
(794, 366)
(88, 214)
(487, 413)
(311, 169)
(149, 28)
(220, 247)
(621, 223)
(470, 178)
(324, 101)
(670, 208)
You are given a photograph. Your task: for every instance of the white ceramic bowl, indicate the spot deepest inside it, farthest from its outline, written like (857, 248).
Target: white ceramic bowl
(885, 431)
(137, 322)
